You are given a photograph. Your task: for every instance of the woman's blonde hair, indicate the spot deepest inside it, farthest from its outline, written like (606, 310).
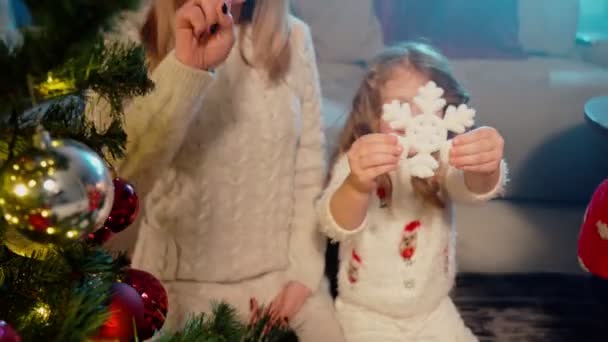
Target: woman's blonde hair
(367, 104)
(268, 21)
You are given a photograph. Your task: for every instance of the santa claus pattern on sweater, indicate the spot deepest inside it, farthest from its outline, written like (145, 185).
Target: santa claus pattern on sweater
(401, 260)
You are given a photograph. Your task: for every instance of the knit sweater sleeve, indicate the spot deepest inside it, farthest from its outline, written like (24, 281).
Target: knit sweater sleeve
(307, 246)
(329, 226)
(156, 124)
(457, 190)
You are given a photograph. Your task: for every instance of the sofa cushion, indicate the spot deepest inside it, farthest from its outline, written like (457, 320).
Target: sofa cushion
(461, 29)
(537, 104)
(344, 31)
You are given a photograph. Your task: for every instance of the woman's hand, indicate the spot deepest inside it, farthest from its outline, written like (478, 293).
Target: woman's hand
(289, 301)
(204, 33)
(370, 156)
(286, 304)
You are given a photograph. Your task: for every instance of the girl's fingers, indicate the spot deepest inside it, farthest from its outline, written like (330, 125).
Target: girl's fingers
(474, 159)
(368, 150)
(475, 147)
(377, 171)
(377, 138)
(483, 168)
(463, 150)
(472, 136)
(377, 159)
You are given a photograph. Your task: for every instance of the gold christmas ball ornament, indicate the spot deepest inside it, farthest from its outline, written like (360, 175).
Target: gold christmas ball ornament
(55, 192)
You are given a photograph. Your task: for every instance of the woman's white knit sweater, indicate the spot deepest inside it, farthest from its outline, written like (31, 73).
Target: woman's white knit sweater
(229, 165)
(401, 261)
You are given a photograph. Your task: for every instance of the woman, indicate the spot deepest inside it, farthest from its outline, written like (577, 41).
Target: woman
(227, 153)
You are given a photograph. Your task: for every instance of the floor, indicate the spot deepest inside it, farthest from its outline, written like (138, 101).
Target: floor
(532, 307)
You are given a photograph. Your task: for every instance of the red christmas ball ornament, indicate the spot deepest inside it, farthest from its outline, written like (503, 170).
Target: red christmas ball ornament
(8, 334)
(125, 207)
(126, 312)
(100, 236)
(155, 301)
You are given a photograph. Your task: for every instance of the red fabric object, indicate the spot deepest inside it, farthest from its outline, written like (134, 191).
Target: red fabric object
(458, 28)
(593, 238)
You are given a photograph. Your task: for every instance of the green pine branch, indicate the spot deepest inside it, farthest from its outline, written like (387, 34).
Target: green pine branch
(61, 29)
(61, 298)
(47, 81)
(223, 325)
(116, 72)
(85, 312)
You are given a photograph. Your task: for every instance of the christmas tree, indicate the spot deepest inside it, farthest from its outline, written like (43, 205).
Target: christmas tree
(59, 201)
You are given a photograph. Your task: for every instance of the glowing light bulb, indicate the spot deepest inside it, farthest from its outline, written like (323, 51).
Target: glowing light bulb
(43, 311)
(20, 190)
(49, 185)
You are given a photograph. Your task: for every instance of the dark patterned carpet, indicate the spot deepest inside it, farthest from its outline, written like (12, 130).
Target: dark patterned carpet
(534, 307)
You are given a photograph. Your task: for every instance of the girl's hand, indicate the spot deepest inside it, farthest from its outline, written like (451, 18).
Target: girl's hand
(369, 157)
(204, 33)
(479, 151)
(385, 127)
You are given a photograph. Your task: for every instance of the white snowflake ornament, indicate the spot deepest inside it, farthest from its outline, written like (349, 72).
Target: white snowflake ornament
(397, 114)
(426, 132)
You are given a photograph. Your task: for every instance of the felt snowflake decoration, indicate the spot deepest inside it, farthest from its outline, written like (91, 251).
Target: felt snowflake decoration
(426, 132)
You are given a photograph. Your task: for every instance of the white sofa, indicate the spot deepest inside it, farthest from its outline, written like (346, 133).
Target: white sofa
(556, 159)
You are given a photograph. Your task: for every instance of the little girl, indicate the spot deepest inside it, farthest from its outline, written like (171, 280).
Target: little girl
(397, 238)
